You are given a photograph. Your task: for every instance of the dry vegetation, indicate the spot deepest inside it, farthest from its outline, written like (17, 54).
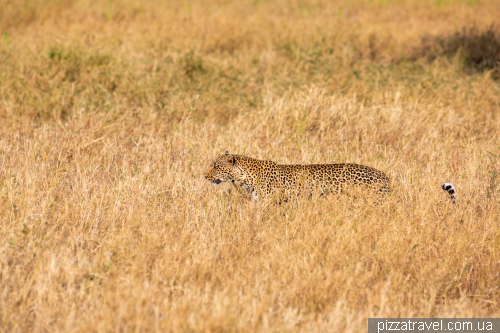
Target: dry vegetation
(110, 113)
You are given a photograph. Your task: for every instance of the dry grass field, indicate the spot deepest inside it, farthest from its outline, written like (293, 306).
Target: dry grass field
(112, 110)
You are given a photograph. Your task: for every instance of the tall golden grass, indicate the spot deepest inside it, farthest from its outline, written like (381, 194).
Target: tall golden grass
(111, 111)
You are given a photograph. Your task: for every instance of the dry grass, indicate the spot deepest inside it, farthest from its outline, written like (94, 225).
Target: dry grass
(110, 113)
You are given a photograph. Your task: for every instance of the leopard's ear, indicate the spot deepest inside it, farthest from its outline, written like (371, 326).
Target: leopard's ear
(230, 160)
(227, 153)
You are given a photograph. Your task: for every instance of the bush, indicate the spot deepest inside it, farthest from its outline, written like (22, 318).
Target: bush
(479, 50)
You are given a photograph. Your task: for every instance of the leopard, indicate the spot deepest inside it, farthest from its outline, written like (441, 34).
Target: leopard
(268, 180)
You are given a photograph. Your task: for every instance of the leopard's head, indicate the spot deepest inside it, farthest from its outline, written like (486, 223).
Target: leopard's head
(221, 170)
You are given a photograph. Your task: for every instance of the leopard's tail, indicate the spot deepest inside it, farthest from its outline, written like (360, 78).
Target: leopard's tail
(451, 191)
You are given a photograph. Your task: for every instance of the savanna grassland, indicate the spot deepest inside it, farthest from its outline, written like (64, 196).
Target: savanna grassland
(111, 112)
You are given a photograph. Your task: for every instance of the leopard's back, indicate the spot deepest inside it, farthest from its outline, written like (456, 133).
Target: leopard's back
(333, 177)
